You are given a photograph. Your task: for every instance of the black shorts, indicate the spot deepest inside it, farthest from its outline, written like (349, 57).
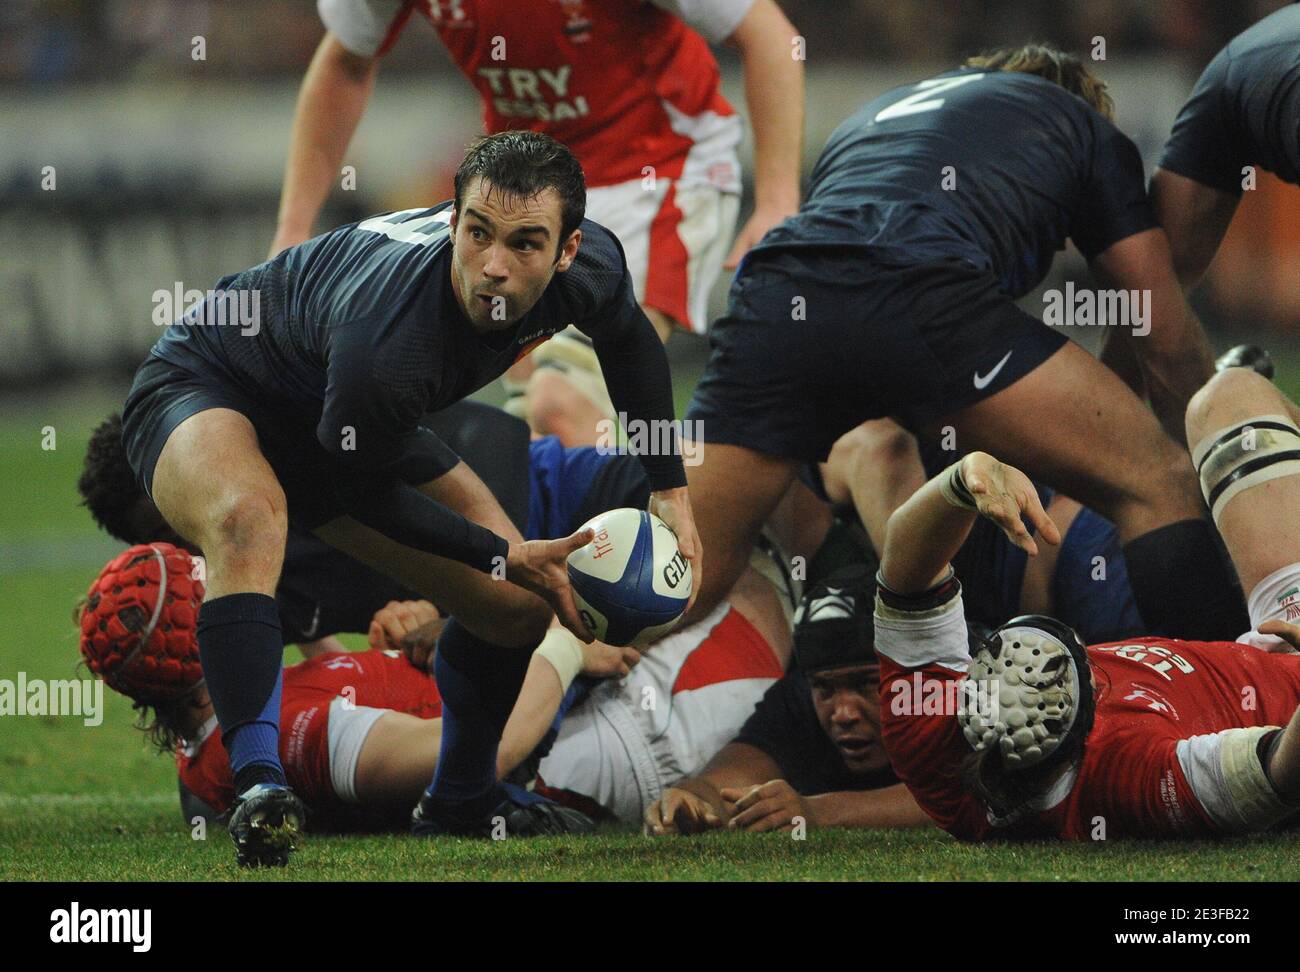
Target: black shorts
(316, 485)
(815, 342)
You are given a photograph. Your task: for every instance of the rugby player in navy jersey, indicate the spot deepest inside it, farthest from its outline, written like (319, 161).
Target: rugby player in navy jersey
(1244, 111)
(312, 413)
(891, 293)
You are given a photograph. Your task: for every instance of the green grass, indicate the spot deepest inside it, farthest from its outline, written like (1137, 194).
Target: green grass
(93, 803)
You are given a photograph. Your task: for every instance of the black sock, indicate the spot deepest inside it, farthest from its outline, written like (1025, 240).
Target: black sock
(1184, 583)
(242, 652)
(479, 683)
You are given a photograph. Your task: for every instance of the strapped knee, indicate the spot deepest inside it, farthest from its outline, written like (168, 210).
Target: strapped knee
(1245, 454)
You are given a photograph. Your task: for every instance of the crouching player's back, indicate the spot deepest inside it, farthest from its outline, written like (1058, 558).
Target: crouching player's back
(1035, 734)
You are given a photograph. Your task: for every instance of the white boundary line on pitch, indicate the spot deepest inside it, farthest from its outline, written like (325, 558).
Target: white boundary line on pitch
(77, 799)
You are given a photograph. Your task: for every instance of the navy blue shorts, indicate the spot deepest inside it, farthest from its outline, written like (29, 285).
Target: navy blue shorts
(316, 486)
(816, 342)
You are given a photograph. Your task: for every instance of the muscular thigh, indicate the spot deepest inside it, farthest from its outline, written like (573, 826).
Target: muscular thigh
(208, 460)
(1071, 423)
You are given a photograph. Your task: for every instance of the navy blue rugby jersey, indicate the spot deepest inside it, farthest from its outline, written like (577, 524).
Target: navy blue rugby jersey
(994, 168)
(1244, 110)
(359, 329)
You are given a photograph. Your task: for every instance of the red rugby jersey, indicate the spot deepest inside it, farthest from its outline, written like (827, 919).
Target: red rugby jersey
(379, 679)
(623, 83)
(1152, 694)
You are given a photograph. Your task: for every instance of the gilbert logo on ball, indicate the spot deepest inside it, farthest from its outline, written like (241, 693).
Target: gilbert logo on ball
(631, 582)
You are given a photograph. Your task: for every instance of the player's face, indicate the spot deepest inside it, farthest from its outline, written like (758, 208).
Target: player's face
(847, 701)
(505, 253)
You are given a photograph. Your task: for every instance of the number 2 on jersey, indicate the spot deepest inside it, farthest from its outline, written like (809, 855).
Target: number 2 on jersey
(917, 102)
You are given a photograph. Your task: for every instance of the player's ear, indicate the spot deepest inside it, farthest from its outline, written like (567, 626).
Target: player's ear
(568, 251)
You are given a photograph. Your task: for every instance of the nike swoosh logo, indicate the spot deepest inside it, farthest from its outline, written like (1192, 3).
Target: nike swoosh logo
(983, 382)
(310, 633)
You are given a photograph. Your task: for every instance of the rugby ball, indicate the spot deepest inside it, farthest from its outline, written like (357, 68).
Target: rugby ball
(631, 582)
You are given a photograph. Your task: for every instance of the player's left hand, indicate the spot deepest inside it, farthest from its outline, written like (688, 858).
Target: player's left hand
(1005, 495)
(673, 506)
(773, 805)
(763, 219)
(542, 566)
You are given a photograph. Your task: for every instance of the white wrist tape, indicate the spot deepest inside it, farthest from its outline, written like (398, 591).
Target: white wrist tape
(562, 649)
(953, 488)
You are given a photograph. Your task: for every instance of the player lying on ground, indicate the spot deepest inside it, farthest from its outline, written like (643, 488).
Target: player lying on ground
(812, 748)
(634, 92)
(313, 415)
(891, 293)
(1244, 112)
(362, 730)
(1040, 736)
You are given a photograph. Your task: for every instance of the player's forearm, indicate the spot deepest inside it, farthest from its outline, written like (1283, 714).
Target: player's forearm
(774, 93)
(922, 537)
(1175, 358)
(331, 102)
(1195, 218)
(736, 766)
(534, 711)
(891, 807)
(636, 373)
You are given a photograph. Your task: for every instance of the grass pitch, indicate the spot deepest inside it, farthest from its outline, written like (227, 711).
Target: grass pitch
(82, 802)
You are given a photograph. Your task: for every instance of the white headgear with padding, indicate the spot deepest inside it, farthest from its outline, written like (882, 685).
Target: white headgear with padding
(1036, 670)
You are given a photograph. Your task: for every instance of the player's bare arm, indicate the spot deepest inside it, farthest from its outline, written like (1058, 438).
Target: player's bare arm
(556, 663)
(1175, 358)
(774, 91)
(1195, 217)
(776, 805)
(334, 95)
(696, 804)
(926, 531)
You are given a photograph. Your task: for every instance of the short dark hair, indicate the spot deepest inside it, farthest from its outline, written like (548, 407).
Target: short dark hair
(520, 165)
(107, 484)
(1055, 65)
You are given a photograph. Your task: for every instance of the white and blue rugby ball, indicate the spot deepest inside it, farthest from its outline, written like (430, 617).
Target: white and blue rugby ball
(631, 582)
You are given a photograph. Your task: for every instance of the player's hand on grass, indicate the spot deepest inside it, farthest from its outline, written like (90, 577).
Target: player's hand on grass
(673, 506)
(773, 805)
(541, 566)
(600, 660)
(1004, 494)
(681, 811)
(411, 627)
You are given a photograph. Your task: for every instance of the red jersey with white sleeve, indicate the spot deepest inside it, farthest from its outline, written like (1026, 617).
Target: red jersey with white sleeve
(624, 84)
(1169, 717)
(347, 680)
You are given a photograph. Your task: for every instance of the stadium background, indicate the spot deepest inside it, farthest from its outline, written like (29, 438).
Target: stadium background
(167, 171)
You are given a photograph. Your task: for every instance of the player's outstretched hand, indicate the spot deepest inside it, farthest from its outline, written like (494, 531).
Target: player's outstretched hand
(773, 805)
(541, 566)
(600, 660)
(1004, 494)
(681, 811)
(673, 506)
(411, 627)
